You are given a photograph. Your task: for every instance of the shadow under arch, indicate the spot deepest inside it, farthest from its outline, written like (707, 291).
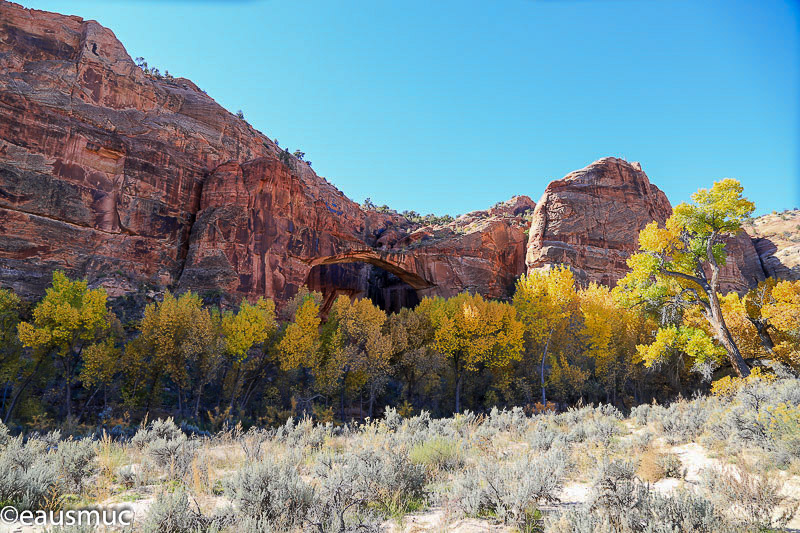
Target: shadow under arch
(365, 275)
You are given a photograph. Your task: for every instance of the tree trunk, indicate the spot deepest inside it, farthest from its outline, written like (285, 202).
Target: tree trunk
(718, 320)
(197, 403)
(541, 371)
(341, 407)
(458, 374)
(86, 405)
(724, 336)
(459, 380)
(235, 387)
(762, 328)
(68, 388)
(19, 392)
(739, 366)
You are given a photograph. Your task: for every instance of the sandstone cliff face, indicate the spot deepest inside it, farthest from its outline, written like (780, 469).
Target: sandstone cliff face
(135, 182)
(108, 173)
(591, 220)
(101, 167)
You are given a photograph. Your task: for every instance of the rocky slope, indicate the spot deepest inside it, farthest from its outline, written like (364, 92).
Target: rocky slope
(777, 240)
(135, 181)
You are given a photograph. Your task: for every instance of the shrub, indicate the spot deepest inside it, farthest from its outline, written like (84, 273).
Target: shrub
(655, 466)
(340, 503)
(304, 434)
(654, 513)
(438, 454)
(158, 429)
(682, 421)
(252, 444)
(271, 493)
(641, 413)
(29, 476)
(171, 513)
(755, 498)
(510, 488)
(75, 461)
(514, 420)
(543, 438)
(617, 490)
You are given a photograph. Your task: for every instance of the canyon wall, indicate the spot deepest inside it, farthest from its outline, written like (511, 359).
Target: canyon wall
(142, 183)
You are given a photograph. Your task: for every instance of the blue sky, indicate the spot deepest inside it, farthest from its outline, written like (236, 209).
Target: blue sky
(450, 106)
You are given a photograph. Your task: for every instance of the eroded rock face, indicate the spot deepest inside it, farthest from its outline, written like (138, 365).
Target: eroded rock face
(101, 167)
(591, 219)
(142, 184)
(776, 237)
(136, 182)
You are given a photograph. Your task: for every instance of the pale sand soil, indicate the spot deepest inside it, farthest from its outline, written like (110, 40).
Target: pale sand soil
(694, 459)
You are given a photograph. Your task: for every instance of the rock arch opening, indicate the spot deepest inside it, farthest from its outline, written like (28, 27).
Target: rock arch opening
(389, 287)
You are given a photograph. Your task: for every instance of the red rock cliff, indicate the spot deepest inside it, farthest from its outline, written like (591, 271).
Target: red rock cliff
(133, 181)
(591, 219)
(126, 179)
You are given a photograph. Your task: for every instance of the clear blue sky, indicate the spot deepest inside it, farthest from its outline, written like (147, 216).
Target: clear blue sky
(451, 106)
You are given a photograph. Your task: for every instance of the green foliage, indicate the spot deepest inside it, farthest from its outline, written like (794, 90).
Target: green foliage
(438, 454)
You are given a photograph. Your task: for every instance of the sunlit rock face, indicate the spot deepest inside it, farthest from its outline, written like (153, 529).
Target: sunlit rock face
(142, 184)
(591, 219)
(137, 182)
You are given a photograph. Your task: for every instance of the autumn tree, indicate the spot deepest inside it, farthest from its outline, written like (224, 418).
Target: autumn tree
(473, 332)
(782, 311)
(250, 326)
(679, 265)
(611, 334)
(358, 347)
(546, 304)
(415, 359)
(12, 365)
(179, 339)
(300, 346)
(70, 318)
(102, 363)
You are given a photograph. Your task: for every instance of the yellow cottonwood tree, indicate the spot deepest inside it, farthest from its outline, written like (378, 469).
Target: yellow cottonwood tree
(359, 350)
(251, 325)
(670, 268)
(15, 370)
(179, 339)
(546, 304)
(782, 311)
(68, 319)
(414, 357)
(471, 331)
(611, 333)
(300, 344)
